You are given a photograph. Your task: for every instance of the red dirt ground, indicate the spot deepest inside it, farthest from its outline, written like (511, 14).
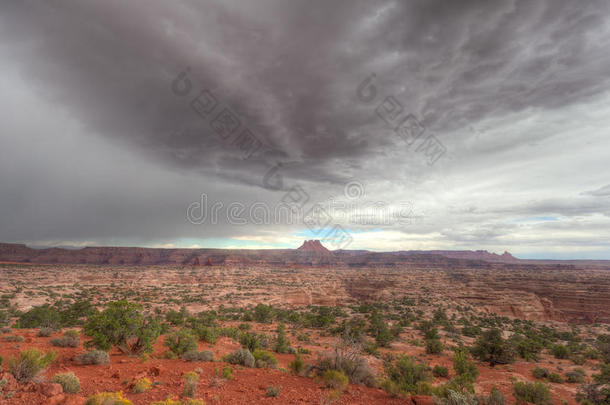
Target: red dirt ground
(248, 386)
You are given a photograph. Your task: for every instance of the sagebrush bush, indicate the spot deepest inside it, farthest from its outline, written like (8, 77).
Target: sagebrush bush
(457, 398)
(335, 379)
(46, 332)
(29, 364)
(355, 367)
(14, 338)
(69, 339)
(108, 398)
(93, 357)
(191, 379)
(69, 382)
(142, 385)
(535, 393)
(194, 355)
(297, 365)
(240, 356)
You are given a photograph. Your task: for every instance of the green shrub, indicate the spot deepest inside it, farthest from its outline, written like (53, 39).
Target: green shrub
(335, 379)
(603, 346)
(176, 318)
(297, 365)
(69, 382)
(555, 378)
(602, 378)
(471, 331)
(578, 359)
(264, 359)
(534, 392)
(405, 374)
(142, 385)
(282, 343)
(540, 372)
(495, 398)
(93, 357)
(207, 334)
(72, 315)
(194, 355)
(273, 390)
(434, 346)
(69, 339)
(463, 366)
(440, 371)
(108, 398)
(14, 338)
(227, 372)
(370, 347)
(577, 375)
(191, 379)
(241, 356)
(180, 342)
(123, 325)
(46, 332)
(526, 347)
(250, 340)
(560, 351)
(263, 313)
(40, 317)
(492, 348)
(30, 364)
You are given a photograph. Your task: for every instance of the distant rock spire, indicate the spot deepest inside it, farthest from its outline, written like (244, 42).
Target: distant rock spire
(313, 246)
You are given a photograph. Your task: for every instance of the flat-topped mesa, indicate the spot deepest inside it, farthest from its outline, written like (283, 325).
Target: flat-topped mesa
(313, 246)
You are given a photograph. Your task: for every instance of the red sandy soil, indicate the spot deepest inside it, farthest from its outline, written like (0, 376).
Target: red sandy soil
(249, 384)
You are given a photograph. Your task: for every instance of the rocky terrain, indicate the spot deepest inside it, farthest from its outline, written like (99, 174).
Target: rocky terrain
(567, 302)
(536, 290)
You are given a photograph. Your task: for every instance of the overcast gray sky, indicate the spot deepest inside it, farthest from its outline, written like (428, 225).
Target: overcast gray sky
(100, 143)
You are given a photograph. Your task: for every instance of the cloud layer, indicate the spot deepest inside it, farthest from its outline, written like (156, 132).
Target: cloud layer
(97, 147)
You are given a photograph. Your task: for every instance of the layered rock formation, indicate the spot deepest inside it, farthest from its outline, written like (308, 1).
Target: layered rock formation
(576, 291)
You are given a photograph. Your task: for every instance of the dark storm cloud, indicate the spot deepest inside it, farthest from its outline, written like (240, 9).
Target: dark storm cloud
(290, 70)
(96, 146)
